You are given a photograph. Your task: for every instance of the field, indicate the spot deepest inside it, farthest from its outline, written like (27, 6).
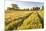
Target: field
(21, 20)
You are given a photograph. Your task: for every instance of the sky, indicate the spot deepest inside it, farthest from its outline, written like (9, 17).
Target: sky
(23, 4)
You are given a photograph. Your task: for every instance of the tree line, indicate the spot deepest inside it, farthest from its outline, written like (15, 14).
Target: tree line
(15, 7)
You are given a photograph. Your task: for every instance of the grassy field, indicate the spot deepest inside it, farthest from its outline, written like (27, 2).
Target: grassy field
(21, 20)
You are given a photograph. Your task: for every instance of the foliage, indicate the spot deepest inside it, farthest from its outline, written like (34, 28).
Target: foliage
(15, 6)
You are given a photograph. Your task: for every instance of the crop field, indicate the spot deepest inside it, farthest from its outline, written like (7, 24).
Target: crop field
(22, 20)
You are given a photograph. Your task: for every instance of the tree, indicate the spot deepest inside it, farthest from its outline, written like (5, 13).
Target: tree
(36, 8)
(15, 6)
(42, 7)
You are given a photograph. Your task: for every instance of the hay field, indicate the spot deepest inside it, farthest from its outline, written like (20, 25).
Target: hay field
(21, 20)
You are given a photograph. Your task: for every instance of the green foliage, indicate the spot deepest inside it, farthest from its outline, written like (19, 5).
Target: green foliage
(15, 6)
